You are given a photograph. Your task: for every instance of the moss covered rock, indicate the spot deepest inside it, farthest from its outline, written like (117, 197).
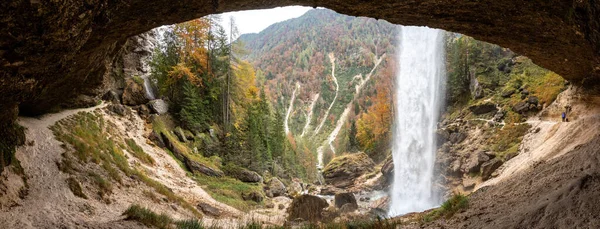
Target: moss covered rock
(343, 170)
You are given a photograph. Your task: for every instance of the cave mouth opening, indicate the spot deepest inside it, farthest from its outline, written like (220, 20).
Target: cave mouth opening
(51, 57)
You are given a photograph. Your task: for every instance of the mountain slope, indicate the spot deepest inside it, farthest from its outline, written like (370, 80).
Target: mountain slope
(305, 50)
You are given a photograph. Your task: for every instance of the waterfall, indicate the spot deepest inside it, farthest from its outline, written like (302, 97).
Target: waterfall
(419, 96)
(148, 87)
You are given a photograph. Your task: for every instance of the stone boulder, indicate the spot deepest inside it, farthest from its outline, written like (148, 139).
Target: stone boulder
(329, 190)
(294, 189)
(209, 209)
(112, 96)
(188, 135)
(342, 199)
(457, 137)
(483, 108)
(143, 110)
(118, 109)
(489, 167)
(197, 167)
(474, 162)
(276, 187)
(478, 92)
(134, 93)
(382, 203)
(244, 175)
(508, 93)
(154, 137)
(349, 208)
(533, 100)
(307, 207)
(343, 170)
(180, 134)
(442, 136)
(521, 107)
(158, 106)
(253, 196)
(498, 116)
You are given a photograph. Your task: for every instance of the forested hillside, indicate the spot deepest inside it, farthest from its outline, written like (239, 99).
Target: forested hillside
(335, 64)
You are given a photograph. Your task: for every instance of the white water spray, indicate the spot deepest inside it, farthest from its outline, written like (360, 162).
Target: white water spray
(419, 96)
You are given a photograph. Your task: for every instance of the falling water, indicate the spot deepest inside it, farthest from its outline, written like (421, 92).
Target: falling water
(148, 88)
(419, 95)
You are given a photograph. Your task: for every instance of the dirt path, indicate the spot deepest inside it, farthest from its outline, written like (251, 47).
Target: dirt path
(555, 180)
(49, 203)
(549, 138)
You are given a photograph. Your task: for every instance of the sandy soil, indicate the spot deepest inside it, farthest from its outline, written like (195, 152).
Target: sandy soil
(553, 183)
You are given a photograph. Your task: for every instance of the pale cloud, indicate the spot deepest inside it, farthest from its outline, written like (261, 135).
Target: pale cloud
(254, 21)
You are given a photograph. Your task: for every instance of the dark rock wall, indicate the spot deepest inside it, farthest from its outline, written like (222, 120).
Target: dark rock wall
(53, 50)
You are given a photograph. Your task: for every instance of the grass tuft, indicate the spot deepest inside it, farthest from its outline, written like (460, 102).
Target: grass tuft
(147, 217)
(453, 205)
(138, 152)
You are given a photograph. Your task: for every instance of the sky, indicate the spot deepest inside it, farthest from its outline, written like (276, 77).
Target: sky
(254, 21)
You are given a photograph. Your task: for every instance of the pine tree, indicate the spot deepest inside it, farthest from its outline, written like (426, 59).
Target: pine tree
(191, 114)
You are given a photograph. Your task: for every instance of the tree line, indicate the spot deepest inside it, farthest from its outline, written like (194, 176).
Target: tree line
(198, 70)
